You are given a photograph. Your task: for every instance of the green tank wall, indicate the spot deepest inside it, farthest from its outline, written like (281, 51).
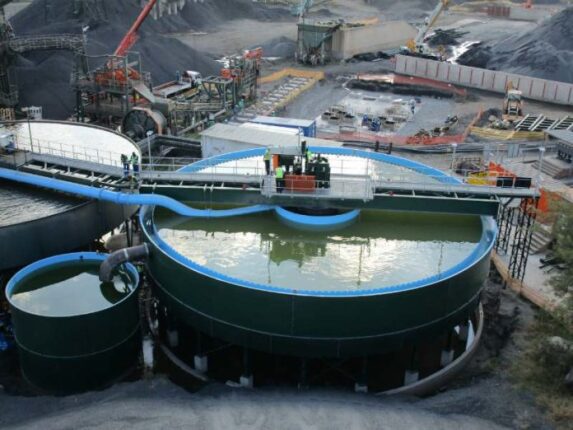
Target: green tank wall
(24, 243)
(77, 353)
(305, 325)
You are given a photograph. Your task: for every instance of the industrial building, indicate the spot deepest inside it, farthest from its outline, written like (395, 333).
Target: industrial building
(321, 42)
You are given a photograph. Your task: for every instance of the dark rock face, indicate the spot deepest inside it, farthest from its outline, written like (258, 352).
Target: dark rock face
(44, 77)
(544, 52)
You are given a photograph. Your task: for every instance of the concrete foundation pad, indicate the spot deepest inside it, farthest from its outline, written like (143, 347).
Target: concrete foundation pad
(411, 376)
(246, 381)
(447, 357)
(360, 388)
(201, 363)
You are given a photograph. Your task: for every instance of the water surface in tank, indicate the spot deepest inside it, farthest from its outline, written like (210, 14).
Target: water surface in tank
(69, 290)
(381, 249)
(21, 203)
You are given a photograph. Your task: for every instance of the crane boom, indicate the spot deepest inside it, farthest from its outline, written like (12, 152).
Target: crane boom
(131, 36)
(442, 4)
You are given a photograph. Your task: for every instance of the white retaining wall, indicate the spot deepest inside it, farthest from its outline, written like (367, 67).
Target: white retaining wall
(488, 80)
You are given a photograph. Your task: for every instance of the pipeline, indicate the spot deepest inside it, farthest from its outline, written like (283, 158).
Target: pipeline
(304, 221)
(315, 223)
(125, 255)
(127, 199)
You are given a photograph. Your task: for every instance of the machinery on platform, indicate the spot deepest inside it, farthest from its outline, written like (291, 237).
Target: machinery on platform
(565, 151)
(121, 93)
(416, 46)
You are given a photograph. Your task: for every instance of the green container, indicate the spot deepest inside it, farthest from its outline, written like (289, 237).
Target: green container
(315, 324)
(74, 333)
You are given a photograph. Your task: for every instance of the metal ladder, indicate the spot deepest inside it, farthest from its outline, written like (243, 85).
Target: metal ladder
(544, 124)
(526, 123)
(566, 123)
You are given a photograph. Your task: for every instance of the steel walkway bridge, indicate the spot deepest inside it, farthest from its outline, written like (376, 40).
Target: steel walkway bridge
(246, 187)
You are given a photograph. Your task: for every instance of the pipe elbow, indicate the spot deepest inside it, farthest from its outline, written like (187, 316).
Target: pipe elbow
(135, 253)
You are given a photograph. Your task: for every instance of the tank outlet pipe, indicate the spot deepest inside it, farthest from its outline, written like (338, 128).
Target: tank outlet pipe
(135, 253)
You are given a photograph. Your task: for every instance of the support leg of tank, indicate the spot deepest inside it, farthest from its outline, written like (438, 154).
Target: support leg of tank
(412, 373)
(303, 381)
(448, 352)
(200, 360)
(128, 233)
(246, 379)
(172, 333)
(148, 356)
(361, 385)
(464, 331)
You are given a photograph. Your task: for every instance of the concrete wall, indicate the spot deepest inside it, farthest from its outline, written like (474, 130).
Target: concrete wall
(489, 80)
(522, 14)
(350, 41)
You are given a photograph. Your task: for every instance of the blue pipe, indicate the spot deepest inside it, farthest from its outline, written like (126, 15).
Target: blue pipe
(317, 223)
(127, 199)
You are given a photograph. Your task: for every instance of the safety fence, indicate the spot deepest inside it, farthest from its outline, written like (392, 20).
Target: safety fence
(66, 150)
(488, 80)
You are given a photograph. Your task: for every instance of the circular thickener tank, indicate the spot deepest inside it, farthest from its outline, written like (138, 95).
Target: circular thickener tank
(37, 223)
(372, 286)
(73, 332)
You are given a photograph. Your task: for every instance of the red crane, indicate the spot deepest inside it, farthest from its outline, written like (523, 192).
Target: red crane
(113, 73)
(131, 37)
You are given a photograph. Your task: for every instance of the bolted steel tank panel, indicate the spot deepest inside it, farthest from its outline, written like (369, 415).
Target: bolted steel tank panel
(312, 324)
(77, 351)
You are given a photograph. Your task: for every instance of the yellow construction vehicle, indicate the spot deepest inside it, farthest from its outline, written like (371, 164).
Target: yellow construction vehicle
(416, 46)
(512, 103)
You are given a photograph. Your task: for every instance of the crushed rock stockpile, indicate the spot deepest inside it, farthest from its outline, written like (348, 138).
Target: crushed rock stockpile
(279, 47)
(43, 77)
(544, 52)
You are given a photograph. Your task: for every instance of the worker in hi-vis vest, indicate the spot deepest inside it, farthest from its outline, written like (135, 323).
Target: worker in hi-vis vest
(267, 159)
(279, 173)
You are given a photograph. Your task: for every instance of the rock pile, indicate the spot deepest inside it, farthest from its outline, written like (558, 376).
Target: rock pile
(544, 52)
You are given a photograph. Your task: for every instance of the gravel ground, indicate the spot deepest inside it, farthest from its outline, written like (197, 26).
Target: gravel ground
(160, 404)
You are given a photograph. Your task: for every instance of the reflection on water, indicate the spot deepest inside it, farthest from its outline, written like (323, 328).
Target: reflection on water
(380, 250)
(70, 291)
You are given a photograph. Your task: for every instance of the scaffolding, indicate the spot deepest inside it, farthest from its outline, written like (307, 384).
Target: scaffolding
(516, 223)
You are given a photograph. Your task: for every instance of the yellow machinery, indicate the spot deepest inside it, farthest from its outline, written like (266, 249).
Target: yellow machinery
(512, 104)
(416, 46)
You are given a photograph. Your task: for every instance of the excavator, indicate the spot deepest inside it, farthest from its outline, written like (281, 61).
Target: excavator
(416, 46)
(302, 8)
